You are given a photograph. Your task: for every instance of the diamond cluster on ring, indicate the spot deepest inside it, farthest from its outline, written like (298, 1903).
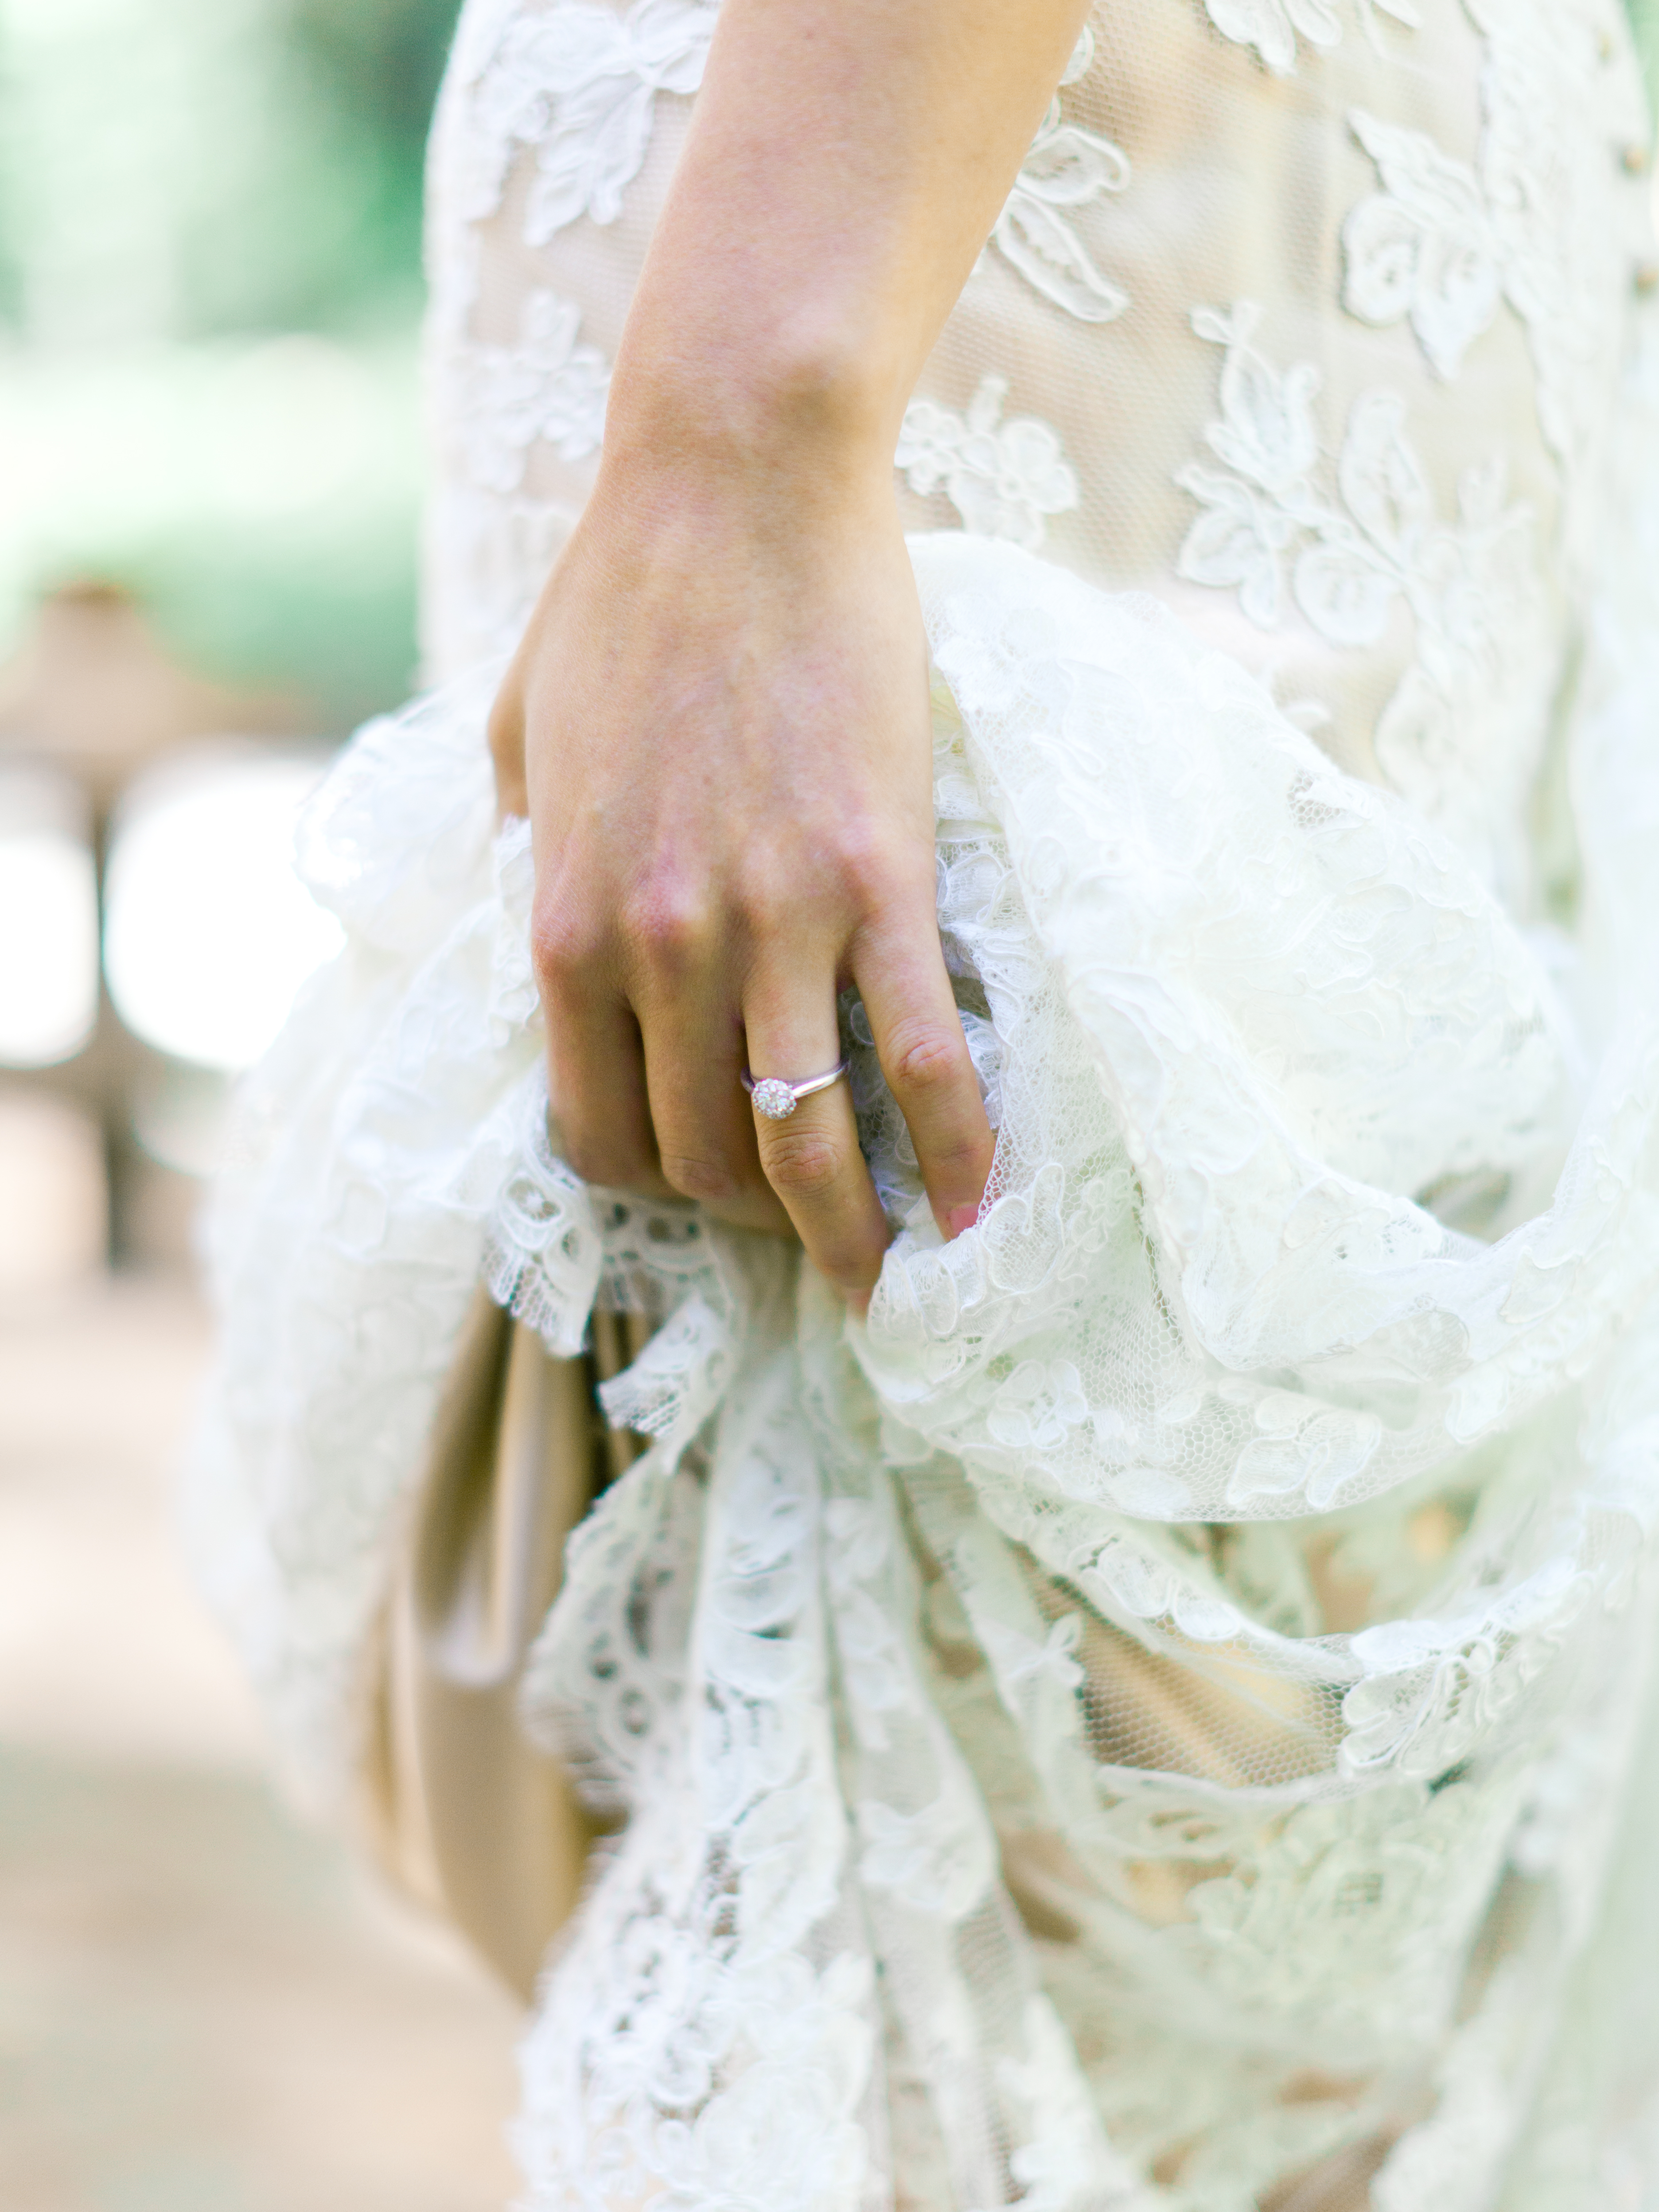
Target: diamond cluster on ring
(774, 1098)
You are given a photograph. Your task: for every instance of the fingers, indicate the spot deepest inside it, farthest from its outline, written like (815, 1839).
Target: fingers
(645, 1074)
(595, 1073)
(705, 1133)
(899, 968)
(811, 1159)
(647, 1049)
(596, 1085)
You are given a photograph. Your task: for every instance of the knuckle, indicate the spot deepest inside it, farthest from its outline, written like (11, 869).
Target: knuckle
(927, 1058)
(868, 867)
(893, 875)
(855, 871)
(667, 926)
(563, 945)
(766, 902)
(802, 1162)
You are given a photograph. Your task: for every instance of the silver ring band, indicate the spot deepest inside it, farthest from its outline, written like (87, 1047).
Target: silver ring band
(777, 1098)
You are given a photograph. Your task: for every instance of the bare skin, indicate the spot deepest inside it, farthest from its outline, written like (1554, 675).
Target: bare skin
(718, 720)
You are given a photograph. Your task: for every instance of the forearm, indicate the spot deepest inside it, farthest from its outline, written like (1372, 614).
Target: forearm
(845, 162)
(718, 721)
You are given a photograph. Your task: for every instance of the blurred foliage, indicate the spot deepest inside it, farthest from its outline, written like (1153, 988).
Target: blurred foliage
(355, 81)
(272, 149)
(182, 182)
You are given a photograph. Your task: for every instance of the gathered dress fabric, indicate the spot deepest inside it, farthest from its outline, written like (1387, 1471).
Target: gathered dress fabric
(1164, 1714)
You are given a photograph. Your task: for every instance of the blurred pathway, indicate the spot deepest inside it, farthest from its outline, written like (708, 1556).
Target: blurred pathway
(202, 2007)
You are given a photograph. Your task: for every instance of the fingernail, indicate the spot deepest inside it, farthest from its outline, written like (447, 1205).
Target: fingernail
(959, 1218)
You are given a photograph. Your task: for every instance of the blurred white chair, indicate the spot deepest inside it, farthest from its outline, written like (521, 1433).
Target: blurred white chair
(48, 917)
(208, 933)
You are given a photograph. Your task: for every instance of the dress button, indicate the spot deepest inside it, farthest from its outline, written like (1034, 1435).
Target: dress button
(1634, 161)
(1644, 277)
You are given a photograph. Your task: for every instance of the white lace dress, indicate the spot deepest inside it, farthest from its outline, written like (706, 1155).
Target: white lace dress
(1166, 1714)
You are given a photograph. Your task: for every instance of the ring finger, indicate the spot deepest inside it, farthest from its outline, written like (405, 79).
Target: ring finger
(811, 1157)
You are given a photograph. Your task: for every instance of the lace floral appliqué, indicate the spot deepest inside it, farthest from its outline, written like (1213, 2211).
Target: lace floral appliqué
(1002, 477)
(1067, 169)
(1352, 558)
(1272, 26)
(548, 387)
(1548, 218)
(1424, 246)
(580, 84)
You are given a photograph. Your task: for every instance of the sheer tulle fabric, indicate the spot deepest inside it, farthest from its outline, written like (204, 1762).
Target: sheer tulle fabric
(1162, 1715)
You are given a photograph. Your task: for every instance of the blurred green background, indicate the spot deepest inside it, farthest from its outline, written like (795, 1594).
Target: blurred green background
(1645, 22)
(209, 301)
(209, 290)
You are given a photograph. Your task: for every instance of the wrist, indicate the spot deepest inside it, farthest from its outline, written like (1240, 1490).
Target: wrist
(795, 401)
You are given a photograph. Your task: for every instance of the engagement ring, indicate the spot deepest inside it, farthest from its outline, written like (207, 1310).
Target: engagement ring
(777, 1099)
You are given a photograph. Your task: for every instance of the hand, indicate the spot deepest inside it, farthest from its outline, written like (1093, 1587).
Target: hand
(718, 720)
(718, 723)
